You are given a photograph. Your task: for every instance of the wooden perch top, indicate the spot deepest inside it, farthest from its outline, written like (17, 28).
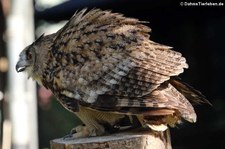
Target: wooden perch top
(124, 140)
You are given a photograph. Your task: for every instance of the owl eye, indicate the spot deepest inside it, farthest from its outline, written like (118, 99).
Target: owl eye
(29, 56)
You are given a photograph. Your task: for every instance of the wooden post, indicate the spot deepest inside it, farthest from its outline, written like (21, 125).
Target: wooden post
(125, 140)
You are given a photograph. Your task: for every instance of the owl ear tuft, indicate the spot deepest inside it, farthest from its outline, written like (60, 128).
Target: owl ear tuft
(39, 38)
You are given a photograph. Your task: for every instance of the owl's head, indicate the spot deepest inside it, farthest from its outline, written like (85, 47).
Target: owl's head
(28, 56)
(32, 58)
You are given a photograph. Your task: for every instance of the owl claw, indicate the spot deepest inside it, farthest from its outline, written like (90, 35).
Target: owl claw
(80, 132)
(70, 135)
(67, 137)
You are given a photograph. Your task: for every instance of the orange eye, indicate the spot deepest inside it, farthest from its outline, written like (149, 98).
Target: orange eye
(29, 56)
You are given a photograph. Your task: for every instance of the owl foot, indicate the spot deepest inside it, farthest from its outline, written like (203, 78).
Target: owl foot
(81, 131)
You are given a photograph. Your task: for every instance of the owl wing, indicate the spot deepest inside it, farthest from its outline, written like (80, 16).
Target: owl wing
(108, 62)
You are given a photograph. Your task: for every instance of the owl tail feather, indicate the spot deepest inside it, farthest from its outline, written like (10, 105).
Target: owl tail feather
(193, 95)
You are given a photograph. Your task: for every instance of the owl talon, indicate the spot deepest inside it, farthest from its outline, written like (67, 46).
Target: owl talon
(80, 132)
(67, 137)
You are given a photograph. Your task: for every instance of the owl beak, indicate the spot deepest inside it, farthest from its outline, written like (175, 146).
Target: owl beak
(20, 67)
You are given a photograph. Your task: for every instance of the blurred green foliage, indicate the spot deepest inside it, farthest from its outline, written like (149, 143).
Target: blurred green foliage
(54, 122)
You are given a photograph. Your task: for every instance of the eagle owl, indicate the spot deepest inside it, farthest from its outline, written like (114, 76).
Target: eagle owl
(103, 67)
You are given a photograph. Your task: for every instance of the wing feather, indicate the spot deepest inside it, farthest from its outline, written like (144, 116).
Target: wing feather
(165, 97)
(106, 60)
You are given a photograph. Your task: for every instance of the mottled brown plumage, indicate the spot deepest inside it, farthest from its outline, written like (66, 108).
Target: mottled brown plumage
(103, 67)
